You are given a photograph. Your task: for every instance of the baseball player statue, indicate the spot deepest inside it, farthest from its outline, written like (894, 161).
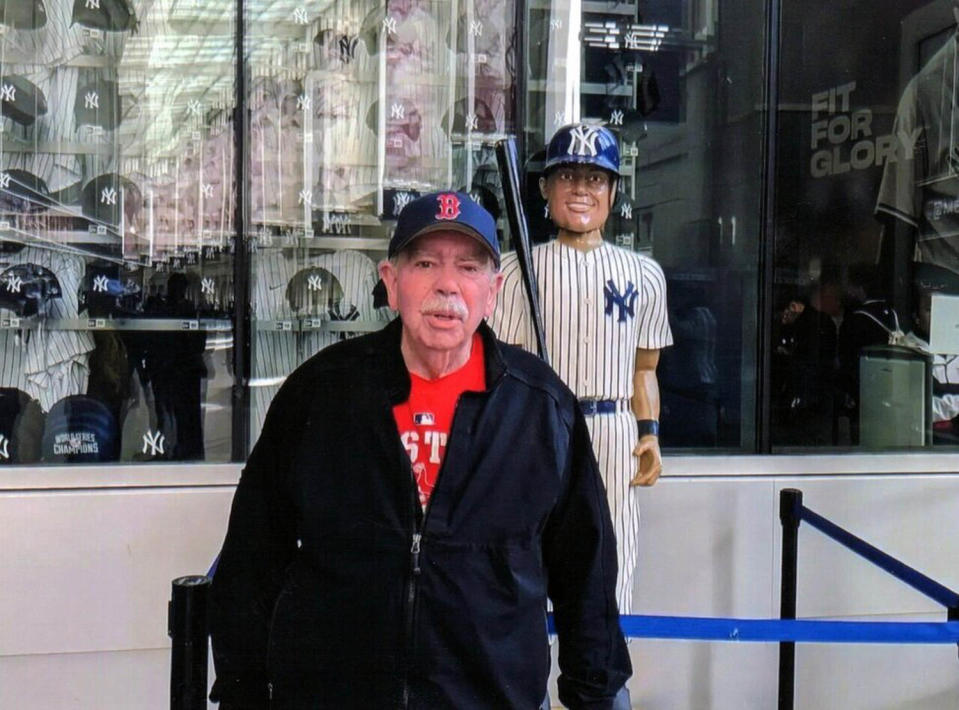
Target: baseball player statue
(604, 313)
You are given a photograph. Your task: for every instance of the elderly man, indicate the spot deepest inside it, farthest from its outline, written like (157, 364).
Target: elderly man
(414, 497)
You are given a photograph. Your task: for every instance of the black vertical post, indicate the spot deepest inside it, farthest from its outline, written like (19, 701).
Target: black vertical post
(790, 514)
(189, 658)
(952, 614)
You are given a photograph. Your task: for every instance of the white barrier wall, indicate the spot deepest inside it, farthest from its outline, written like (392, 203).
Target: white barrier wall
(85, 578)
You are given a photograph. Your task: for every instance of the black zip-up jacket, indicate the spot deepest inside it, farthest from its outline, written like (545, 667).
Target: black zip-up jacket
(335, 590)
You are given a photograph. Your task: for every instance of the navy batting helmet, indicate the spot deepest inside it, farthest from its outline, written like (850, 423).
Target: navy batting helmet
(584, 144)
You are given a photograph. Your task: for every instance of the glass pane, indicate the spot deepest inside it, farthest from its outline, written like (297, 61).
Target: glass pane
(865, 254)
(116, 207)
(681, 85)
(357, 108)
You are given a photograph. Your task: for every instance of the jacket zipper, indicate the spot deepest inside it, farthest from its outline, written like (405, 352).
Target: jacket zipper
(415, 556)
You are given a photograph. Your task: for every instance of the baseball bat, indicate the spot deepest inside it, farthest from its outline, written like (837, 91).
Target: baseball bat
(508, 163)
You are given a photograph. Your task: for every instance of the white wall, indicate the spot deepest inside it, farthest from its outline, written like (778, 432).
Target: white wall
(85, 576)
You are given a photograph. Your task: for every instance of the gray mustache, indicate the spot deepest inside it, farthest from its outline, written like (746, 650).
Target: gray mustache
(445, 306)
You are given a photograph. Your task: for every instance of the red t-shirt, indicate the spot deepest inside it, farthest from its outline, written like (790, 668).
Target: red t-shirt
(424, 420)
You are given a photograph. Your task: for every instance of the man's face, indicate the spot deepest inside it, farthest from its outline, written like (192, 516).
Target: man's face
(443, 285)
(579, 197)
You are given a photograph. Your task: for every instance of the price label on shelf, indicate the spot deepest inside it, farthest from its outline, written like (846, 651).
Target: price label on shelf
(284, 325)
(96, 323)
(10, 322)
(190, 325)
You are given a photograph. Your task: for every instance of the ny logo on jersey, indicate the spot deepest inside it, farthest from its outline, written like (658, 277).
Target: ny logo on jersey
(314, 283)
(583, 141)
(299, 16)
(616, 118)
(626, 211)
(4, 180)
(347, 46)
(91, 100)
(472, 122)
(559, 118)
(92, 4)
(401, 200)
(476, 28)
(624, 302)
(207, 189)
(194, 107)
(207, 287)
(306, 197)
(632, 41)
(4, 450)
(555, 24)
(100, 284)
(398, 111)
(14, 283)
(153, 443)
(303, 102)
(449, 206)
(108, 196)
(8, 92)
(389, 24)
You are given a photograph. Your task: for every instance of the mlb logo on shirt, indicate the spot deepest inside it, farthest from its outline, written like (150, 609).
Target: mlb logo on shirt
(424, 419)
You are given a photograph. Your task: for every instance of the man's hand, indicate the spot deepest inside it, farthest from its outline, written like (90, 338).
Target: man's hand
(650, 461)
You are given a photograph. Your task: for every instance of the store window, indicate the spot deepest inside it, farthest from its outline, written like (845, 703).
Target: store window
(116, 217)
(866, 261)
(123, 241)
(356, 109)
(682, 87)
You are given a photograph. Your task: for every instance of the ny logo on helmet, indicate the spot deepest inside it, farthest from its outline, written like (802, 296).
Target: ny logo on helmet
(449, 206)
(8, 92)
(583, 141)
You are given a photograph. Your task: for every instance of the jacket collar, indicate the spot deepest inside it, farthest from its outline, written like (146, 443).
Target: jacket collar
(396, 377)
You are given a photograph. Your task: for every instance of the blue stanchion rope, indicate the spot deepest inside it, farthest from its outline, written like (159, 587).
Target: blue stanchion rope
(903, 572)
(693, 628)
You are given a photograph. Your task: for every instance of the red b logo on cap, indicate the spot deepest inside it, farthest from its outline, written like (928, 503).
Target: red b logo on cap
(449, 206)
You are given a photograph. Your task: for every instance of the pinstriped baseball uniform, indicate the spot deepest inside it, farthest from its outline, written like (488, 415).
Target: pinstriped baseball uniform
(598, 308)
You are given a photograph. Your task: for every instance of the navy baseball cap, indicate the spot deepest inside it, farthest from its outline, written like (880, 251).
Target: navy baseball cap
(583, 143)
(445, 211)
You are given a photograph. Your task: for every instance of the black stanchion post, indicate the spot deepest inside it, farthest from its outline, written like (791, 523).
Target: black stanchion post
(790, 514)
(187, 627)
(952, 614)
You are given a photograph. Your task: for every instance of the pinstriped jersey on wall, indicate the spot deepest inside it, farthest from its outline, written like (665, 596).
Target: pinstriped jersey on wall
(598, 308)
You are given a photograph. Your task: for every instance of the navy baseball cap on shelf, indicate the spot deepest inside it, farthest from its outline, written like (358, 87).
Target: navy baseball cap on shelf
(21, 427)
(445, 211)
(98, 104)
(21, 99)
(22, 191)
(108, 15)
(79, 429)
(585, 144)
(26, 289)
